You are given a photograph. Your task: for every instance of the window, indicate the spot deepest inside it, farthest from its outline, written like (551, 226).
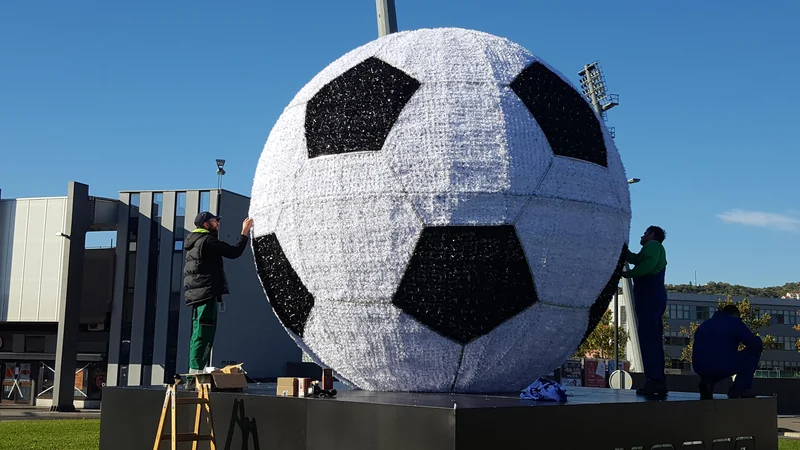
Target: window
(702, 313)
(205, 201)
(180, 204)
(786, 343)
(781, 317)
(176, 284)
(679, 364)
(133, 218)
(153, 274)
(127, 317)
(158, 204)
(675, 338)
(679, 312)
(180, 220)
(35, 344)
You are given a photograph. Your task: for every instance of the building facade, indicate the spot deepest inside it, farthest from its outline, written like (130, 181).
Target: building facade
(52, 318)
(116, 316)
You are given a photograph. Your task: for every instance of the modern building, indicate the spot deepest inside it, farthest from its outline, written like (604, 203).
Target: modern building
(683, 309)
(115, 316)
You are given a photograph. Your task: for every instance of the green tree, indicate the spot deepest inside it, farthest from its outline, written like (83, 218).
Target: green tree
(750, 316)
(600, 343)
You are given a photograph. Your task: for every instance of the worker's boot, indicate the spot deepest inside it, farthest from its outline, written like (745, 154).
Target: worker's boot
(191, 382)
(746, 393)
(653, 390)
(706, 390)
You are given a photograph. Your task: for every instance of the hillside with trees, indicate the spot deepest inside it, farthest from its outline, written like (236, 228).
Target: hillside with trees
(725, 289)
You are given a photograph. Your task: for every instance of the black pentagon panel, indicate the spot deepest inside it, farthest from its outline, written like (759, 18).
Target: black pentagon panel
(356, 111)
(286, 293)
(600, 306)
(463, 281)
(567, 120)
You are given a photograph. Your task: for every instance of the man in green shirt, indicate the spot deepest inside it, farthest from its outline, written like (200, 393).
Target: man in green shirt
(650, 297)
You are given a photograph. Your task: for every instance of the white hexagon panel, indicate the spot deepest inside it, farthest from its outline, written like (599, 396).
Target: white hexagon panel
(439, 211)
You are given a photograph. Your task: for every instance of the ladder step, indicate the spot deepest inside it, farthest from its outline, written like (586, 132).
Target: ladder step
(187, 437)
(191, 400)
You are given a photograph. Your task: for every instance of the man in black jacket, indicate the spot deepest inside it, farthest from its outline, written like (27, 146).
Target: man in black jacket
(205, 283)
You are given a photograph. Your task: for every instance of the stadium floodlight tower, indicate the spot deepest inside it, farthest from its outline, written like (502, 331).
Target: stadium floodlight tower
(387, 17)
(593, 86)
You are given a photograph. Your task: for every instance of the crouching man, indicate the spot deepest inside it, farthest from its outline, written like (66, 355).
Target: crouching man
(716, 353)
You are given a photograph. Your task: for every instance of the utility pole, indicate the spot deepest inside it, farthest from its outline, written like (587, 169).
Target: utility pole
(387, 17)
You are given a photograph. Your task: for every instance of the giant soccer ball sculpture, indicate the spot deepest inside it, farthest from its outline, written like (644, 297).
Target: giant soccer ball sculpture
(439, 211)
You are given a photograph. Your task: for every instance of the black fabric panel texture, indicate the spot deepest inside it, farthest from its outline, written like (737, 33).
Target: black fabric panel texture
(567, 120)
(600, 306)
(356, 111)
(464, 281)
(286, 293)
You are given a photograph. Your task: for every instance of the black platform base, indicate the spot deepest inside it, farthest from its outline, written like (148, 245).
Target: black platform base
(356, 420)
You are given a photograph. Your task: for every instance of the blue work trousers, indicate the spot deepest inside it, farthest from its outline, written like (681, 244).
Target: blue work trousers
(743, 365)
(650, 297)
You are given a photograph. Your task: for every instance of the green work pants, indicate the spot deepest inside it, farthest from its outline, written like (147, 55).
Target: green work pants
(204, 327)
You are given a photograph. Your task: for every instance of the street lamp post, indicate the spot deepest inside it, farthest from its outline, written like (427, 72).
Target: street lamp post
(220, 172)
(616, 320)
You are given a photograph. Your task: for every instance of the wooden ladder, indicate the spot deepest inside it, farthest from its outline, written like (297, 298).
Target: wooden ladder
(171, 401)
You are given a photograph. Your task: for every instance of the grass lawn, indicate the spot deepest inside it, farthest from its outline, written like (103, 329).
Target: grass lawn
(70, 434)
(786, 444)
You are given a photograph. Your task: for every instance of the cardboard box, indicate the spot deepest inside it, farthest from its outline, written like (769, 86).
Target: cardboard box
(287, 387)
(223, 381)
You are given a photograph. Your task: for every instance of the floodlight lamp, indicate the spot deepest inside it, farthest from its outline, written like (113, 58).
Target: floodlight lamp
(634, 180)
(220, 164)
(220, 171)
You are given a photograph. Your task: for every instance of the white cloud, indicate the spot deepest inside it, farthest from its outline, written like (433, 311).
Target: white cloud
(761, 219)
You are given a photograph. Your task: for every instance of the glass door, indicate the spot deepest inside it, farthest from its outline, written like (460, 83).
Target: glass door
(17, 384)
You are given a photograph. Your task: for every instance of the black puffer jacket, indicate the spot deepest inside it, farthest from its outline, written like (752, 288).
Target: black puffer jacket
(203, 274)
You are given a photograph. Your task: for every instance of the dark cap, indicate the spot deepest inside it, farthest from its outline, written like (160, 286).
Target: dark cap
(204, 217)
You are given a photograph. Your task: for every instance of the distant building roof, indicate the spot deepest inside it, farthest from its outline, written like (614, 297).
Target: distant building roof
(705, 298)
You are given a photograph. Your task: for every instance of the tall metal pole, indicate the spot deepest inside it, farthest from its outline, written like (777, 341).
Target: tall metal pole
(387, 17)
(616, 336)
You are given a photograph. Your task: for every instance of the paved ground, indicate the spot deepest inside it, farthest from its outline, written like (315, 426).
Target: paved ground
(789, 426)
(33, 413)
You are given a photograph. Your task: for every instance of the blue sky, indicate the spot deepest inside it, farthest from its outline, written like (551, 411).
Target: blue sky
(145, 95)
